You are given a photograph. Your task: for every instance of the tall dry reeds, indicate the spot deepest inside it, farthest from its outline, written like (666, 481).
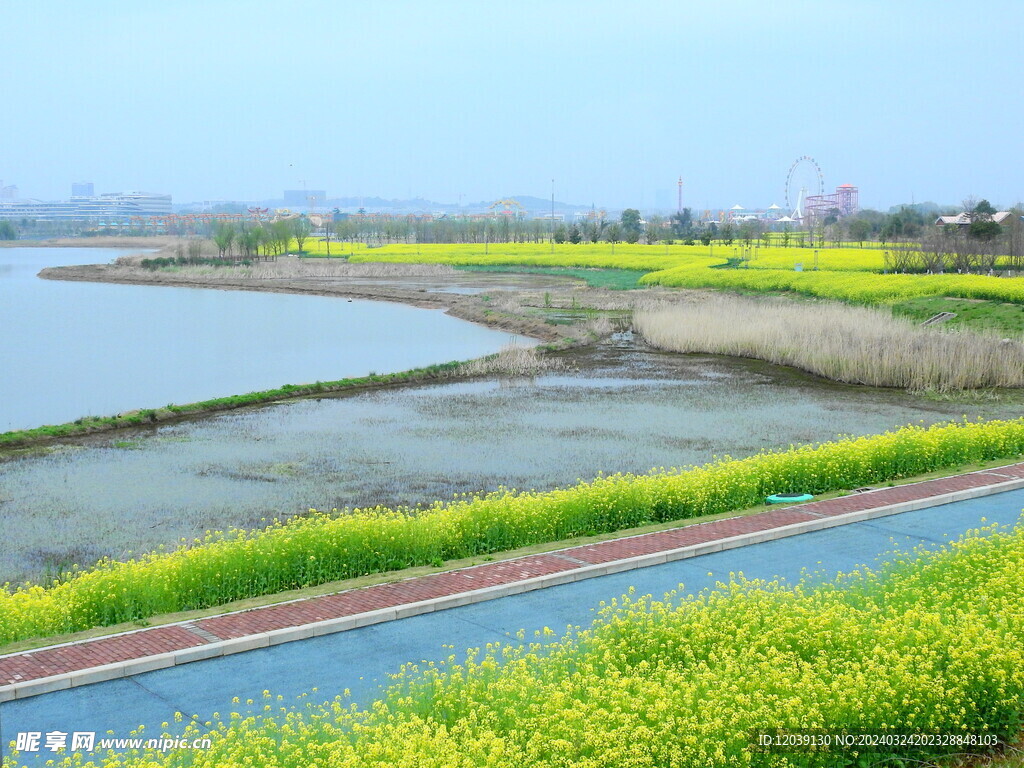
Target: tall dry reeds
(512, 360)
(850, 344)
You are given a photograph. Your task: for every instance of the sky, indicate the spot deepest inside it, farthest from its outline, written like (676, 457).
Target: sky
(452, 100)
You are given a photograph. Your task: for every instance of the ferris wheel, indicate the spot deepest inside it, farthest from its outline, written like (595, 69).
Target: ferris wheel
(804, 179)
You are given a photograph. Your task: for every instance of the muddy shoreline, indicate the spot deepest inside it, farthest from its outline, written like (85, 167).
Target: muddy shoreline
(526, 309)
(471, 308)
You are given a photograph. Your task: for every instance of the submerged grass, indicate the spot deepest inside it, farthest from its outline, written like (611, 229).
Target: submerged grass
(849, 344)
(614, 279)
(322, 547)
(928, 643)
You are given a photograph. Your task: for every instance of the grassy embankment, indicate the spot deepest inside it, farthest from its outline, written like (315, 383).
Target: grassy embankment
(929, 643)
(856, 345)
(324, 547)
(1000, 317)
(91, 424)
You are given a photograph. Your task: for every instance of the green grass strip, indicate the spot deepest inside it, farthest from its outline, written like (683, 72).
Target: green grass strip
(613, 279)
(90, 424)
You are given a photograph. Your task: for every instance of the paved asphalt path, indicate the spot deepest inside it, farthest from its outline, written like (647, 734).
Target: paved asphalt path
(362, 659)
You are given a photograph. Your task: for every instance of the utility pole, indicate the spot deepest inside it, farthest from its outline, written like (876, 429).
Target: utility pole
(679, 205)
(552, 215)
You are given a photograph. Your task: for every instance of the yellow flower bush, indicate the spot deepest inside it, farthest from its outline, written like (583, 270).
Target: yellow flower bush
(844, 274)
(322, 547)
(930, 643)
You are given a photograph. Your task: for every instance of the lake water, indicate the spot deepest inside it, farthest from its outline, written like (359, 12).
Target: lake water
(626, 409)
(72, 349)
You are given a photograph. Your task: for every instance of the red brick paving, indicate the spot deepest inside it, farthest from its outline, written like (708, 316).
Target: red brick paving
(148, 642)
(382, 596)
(1014, 471)
(901, 493)
(95, 653)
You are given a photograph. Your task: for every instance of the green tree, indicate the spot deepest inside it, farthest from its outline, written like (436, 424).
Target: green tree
(984, 209)
(656, 230)
(300, 231)
(281, 234)
(859, 230)
(631, 224)
(682, 223)
(727, 233)
(749, 230)
(223, 237)
(7, 231)
(613, 233)
(575, 236)
(560, 234)
(249, 240)
(982, 227)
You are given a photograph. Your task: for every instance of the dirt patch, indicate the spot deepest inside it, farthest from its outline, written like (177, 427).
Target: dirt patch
(518, 308)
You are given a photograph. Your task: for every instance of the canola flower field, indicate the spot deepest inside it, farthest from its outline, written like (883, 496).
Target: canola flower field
(324, 547)
(844, 274)
(855, 287)
(929, 643)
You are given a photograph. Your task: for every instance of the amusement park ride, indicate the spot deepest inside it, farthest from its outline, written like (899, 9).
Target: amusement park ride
(805, 200)
(804, 175)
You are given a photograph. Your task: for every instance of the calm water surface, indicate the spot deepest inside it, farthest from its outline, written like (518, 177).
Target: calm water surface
(71, 349)
(625, 410)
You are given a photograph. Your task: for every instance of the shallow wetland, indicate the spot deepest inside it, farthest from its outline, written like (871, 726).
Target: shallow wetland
(619, 407)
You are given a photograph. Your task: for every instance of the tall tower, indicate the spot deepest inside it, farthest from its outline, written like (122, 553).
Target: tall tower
(679, 205)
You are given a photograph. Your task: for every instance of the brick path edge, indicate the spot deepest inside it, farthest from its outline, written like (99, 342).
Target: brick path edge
(576, 570)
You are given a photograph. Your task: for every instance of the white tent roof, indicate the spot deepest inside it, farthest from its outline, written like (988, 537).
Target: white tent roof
(785, 219)
(774, 207)
(737, 208)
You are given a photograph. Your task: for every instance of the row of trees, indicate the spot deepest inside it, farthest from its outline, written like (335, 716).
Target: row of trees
(412, 229)
(958, 250)
(256, 240)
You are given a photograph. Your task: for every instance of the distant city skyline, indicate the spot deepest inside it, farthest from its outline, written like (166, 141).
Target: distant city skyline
(311, 198)
(459, 101)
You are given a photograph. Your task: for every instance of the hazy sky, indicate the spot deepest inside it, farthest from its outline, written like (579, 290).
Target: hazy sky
(214, 99)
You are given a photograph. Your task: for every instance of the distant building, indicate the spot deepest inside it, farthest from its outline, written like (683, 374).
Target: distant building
(82, 189)
(118, 206)
(964, 219)
(9, 192)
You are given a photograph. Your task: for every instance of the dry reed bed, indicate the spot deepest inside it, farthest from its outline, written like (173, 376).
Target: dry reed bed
(512, 360)
(850, 344)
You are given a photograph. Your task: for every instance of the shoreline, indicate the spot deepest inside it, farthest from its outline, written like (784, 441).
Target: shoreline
(476, 308)
(17, 440)
(464, 307)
